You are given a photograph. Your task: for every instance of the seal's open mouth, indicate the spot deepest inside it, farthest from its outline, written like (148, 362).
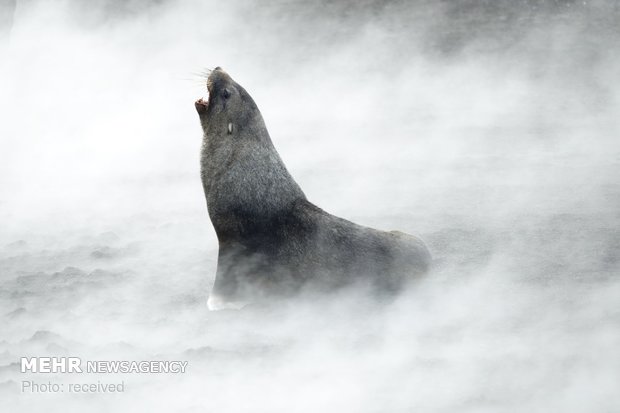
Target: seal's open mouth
(201, 105)
(212, 77)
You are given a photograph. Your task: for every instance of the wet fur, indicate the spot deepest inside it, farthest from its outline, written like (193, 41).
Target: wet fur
(272, 240)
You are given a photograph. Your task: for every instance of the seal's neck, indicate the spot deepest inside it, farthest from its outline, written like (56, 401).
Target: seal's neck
(244, 178)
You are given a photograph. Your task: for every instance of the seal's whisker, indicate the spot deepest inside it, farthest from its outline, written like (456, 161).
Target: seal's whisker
(193, 79)
(201, 75)
(206, 72)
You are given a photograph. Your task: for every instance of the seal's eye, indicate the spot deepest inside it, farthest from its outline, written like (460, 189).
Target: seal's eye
(226, 93)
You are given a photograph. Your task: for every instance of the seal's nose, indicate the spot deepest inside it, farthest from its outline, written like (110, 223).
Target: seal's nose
(217, 68)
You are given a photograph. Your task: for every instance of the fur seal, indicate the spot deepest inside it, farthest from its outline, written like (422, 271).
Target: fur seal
(272, 241)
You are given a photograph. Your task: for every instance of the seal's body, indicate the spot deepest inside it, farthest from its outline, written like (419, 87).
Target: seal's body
(272, 240)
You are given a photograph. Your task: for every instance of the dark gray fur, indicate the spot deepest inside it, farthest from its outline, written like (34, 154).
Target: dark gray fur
(272, 241)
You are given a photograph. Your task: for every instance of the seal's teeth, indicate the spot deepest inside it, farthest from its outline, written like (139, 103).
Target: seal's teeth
(230, 128)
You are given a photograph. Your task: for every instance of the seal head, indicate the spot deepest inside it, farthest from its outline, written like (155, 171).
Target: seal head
(227, 100)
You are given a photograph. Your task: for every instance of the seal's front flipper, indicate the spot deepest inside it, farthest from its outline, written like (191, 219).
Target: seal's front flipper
(237, 270)
(217, 303)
